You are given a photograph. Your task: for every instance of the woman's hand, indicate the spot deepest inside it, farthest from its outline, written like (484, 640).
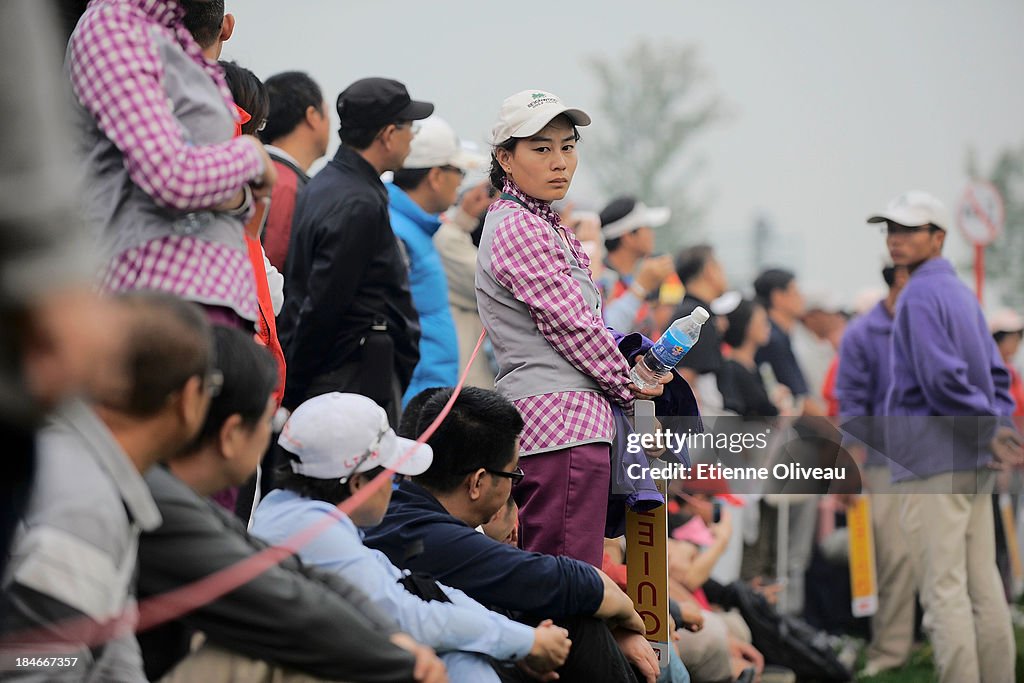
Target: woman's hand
(653, 392)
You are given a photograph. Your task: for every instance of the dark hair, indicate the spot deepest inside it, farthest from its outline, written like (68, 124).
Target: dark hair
(168, 342)
(360, 138)
(690, 261)
(410, 178)
(769, 281)
(331, 491)
(889, 275)
(203, 19)
(291, 95)
(739, 321)
(480, 431)
(250, 376)
(410, 419)
(613, 244)
(249, 93)
(1003, 334)
(497, 173)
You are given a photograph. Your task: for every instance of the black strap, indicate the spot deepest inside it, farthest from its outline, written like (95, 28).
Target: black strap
(513, 198)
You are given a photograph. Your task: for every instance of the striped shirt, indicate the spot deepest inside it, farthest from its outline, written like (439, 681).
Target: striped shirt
(118, 76)
(524, 262)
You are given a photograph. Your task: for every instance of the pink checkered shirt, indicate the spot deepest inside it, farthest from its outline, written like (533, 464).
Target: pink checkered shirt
(539, 277)
(116, 74)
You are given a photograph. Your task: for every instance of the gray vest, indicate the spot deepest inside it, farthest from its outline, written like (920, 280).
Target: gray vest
(122, 213)
(527, 364)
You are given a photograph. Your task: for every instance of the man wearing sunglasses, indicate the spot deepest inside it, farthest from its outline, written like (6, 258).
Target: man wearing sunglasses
(348, 322)
(337, 445)
(430, 527)
(423, 188)
(947, 403)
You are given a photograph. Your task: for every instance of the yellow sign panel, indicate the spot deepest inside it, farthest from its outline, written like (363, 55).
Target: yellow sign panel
(863, 582)
(647, 573)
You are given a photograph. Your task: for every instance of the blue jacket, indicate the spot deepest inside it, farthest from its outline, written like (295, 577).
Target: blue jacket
(420, 535)
(863, 378)
(945, 365)
(439, 346)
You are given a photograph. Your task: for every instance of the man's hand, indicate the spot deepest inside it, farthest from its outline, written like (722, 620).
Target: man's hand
(550, 648)
(477, 199)
(723, 529)
(693, 616)
(428, 668)
(639, 653)
(1006, 448)
(653, 271)
(746, 652)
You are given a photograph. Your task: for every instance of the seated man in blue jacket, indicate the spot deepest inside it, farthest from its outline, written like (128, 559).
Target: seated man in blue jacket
(430, 527)
(338, 444)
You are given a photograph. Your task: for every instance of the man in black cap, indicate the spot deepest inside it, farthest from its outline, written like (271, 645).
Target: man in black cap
(348, 322)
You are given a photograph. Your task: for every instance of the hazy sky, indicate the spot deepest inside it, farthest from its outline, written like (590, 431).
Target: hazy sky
(835, 107)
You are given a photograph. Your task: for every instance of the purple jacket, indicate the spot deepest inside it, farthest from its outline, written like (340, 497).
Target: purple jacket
(676, 403)
(863, 378)
(945, 365)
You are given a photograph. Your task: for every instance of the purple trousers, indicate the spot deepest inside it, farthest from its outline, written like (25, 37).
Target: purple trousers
(563, 501)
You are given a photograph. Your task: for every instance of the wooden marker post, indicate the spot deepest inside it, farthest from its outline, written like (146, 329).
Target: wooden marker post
(647, 557)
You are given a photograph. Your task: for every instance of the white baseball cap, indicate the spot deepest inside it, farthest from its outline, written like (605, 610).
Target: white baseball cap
(527, 112)
(1005, 320)
(337, 435)
(436, 144)
(914, 209)
(625, 214)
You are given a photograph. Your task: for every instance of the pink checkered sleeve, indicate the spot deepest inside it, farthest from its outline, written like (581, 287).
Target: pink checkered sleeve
(527, 260)
(116, 75)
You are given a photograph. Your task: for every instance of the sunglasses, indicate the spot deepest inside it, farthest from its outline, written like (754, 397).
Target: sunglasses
(454, 169)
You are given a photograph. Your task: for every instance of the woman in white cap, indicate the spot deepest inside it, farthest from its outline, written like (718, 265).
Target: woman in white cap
(556, 360)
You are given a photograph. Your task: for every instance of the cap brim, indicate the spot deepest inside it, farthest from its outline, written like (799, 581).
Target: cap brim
(468, 161)
(657, 216)
(537, 123)
(410, 458)
(415, 111)
(906, 219)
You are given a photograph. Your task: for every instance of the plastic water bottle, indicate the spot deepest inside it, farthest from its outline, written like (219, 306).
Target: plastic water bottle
(668, 350)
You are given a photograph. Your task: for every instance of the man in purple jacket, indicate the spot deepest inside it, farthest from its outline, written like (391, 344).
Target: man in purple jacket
(862, 381)
(948, 394)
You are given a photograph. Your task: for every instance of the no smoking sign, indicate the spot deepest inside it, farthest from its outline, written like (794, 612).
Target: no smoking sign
(981, 215)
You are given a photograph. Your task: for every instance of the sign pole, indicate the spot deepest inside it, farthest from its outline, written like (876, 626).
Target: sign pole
(979, 272)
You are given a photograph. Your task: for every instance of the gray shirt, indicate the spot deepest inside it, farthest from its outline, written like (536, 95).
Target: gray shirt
(75, 554)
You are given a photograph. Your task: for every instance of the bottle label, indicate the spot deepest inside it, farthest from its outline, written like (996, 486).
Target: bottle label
(670, 349)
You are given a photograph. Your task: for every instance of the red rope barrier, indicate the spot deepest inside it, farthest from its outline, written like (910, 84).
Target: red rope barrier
(174, 604)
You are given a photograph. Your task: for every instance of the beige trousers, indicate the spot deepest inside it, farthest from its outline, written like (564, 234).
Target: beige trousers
(951, 537)
(212, 664)
(892, 626)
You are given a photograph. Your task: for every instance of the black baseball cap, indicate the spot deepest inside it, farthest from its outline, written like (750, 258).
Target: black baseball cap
(376, 102)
